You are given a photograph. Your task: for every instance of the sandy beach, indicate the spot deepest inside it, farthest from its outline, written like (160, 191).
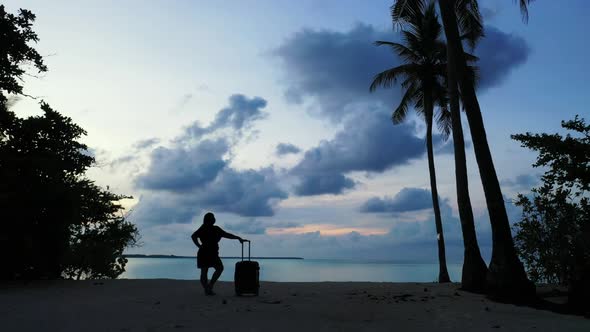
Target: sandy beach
(179, 305)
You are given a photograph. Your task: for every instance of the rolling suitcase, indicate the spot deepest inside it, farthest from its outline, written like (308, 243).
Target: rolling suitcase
(246, 277)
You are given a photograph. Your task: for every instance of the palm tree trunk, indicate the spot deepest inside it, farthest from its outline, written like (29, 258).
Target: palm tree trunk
(443, 274)
(473, 277)
(506, 279)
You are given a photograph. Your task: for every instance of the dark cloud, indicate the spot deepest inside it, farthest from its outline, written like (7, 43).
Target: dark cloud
(249, 193)
(407, 199)
(240, 114)
(499, 54)
(315, 184)
(336, 68)
(193, 174)
(161, 208)
(184, 168)
(286, 148)
(367, 143)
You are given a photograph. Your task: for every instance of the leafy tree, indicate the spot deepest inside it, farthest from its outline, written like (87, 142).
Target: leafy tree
(553, 235)
(566, 157)
(15, 53)
(545, 235)
(55, 222)
(96, 243)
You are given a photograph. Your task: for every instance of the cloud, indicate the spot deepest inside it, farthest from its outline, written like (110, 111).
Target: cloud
(286, 148)
(315, 184)
(248, 227)
(162, 208)
(130, 159)
(146, 143)
(407, 199)
(523, 181)
(335, 68)
(240, 114)
(412, 238)
(255, 226)
(249, 193)
(181, 169)
(489, 13)
(194, 174)
(367, 143)
(500, 53)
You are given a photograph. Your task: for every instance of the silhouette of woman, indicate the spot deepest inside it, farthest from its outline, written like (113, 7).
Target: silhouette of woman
(208, 254)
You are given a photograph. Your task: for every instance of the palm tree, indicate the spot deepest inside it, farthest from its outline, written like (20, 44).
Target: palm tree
(423, 82)
(475, 270)
(506, 278)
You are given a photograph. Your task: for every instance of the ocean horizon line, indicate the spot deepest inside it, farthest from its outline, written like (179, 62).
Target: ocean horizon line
(351, 260)
(177, 256)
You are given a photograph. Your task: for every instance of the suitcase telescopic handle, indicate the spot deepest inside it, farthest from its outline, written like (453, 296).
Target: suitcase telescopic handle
(248, 250)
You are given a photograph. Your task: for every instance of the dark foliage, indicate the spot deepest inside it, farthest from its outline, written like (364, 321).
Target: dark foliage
(568, 158)
(546, 234)
(15, 53)
(55, 222)
(553, 237)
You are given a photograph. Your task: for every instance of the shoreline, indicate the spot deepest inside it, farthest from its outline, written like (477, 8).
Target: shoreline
(176, 305)
(195, 257)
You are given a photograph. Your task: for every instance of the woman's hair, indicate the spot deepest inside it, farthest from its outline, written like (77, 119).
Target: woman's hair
(209, 218)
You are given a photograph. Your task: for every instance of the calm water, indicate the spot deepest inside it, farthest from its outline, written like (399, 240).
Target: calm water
(293, 270)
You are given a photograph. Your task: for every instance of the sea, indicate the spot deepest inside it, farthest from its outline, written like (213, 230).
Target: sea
(293, 270)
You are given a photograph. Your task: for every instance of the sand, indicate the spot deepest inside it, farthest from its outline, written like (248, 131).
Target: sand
(180, 305)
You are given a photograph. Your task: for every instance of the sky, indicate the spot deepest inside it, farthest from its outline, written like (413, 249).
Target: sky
(259, 111)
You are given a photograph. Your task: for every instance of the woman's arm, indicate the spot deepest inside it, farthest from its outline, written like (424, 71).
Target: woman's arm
(195, 238)
(231, 236)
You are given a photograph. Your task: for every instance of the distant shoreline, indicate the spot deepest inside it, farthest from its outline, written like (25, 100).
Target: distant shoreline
(192, 257)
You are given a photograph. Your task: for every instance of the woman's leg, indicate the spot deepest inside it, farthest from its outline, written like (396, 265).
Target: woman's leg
(216, 275)
(204, 271)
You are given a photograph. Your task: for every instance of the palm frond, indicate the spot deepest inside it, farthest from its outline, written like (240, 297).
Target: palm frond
(443, 122)
(470, 57)
(389, 77)
(469, 21)
(399, 114)
(403, 10)
(403, 51)
(524, 9)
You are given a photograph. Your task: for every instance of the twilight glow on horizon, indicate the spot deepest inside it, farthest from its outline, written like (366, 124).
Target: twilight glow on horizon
(260, 112)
